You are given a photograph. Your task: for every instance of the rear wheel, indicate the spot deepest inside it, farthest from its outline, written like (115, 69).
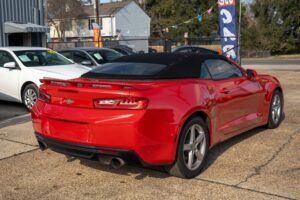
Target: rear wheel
(30, 96)
(192, 149)
(275, 113)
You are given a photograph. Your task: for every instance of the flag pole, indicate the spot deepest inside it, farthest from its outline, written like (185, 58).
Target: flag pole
(239, 36)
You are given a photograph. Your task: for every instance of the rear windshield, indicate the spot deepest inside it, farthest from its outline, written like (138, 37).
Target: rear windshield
(151, 67)
(125, 71)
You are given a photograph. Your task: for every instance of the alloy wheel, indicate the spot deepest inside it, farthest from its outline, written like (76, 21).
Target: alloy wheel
(194, 147)
(276, 109)
(30, 97)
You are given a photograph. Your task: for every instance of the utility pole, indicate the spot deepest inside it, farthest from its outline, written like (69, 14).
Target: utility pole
(45, 22)
(144, 4)
(239, 36)
(98, 23)
(97, 12)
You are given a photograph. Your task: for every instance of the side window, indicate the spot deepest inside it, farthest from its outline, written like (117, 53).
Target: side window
(110, 55)
(185, 50)
(221, 69)
(78, 57)
(204, 74)
(67, 54)
(5, 57)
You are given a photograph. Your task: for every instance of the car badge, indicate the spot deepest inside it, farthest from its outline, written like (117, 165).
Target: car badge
(68, 101)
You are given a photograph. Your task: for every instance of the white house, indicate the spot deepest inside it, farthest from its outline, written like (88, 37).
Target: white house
(124, 21)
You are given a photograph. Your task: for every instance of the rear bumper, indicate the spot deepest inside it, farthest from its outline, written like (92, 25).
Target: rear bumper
(150, 136)
(87, 152)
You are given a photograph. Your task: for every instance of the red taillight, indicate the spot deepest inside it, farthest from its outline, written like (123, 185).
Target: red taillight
(44, 96)
(133, 103)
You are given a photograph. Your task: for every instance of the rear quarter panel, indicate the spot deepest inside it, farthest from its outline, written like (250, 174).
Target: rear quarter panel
(270, 84)
(171, 103)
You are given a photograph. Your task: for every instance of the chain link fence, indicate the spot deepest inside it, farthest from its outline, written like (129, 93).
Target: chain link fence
(255, 53)
(157, 45)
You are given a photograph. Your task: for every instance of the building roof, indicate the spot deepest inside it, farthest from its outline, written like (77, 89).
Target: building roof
(13, 27)
(107, 9)
(17, 48)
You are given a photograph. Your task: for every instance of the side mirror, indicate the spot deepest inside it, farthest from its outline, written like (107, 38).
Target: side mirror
(87, 63)
(251, 73)
(10, 65)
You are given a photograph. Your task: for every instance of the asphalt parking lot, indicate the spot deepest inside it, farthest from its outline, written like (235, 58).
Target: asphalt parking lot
(259, 164)
(10, 110)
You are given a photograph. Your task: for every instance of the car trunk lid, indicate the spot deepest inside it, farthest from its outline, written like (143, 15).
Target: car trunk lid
(83, 92)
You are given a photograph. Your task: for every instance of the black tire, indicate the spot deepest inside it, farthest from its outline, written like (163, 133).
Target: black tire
(180, 167)
(273, 122)
(27, 100)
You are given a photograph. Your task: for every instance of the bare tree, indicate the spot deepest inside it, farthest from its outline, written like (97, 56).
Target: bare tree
(61, 13)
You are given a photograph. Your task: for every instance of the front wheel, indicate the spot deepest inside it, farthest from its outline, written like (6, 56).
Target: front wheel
(192, 149)
(30, 96)
(276, 111)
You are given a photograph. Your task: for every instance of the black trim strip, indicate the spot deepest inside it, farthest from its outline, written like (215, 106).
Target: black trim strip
(88, 152)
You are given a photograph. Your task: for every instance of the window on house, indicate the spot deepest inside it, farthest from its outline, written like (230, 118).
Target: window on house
(68, 24)
(94, 20)
(91, 21)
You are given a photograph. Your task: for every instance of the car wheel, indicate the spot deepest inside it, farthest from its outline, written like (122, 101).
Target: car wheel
(275, 113)
(30, 96)
(192, 149)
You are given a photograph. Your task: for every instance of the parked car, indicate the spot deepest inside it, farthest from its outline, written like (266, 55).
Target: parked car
(151, 50)
(124, 50)
(21, 69)
(90, 57)
(155, 109)
(193, 49)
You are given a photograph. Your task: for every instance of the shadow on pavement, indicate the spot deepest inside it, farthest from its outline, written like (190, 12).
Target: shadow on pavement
(129, 170)
(159, 172)
(221, 148)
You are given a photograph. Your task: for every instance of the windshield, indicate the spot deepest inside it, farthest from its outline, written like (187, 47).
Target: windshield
(40, 58)
(103, 56)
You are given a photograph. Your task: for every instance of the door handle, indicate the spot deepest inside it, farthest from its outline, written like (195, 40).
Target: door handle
(224, 91)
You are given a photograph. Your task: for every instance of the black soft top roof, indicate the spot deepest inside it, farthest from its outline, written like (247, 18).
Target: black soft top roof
(178, 65)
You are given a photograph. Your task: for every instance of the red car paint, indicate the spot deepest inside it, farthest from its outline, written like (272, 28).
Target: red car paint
(232, 106)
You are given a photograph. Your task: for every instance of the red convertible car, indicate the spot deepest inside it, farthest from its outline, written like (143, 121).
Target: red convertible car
(155, 109)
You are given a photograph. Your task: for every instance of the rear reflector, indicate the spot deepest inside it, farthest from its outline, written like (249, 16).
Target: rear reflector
(132, 103)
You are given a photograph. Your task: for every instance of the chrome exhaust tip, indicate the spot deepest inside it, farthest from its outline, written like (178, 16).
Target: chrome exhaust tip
(117, 163)
(42, 146)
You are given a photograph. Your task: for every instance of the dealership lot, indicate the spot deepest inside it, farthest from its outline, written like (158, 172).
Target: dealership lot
(260, 164)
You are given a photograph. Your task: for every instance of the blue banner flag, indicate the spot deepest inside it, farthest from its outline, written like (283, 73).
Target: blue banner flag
(228, 31)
